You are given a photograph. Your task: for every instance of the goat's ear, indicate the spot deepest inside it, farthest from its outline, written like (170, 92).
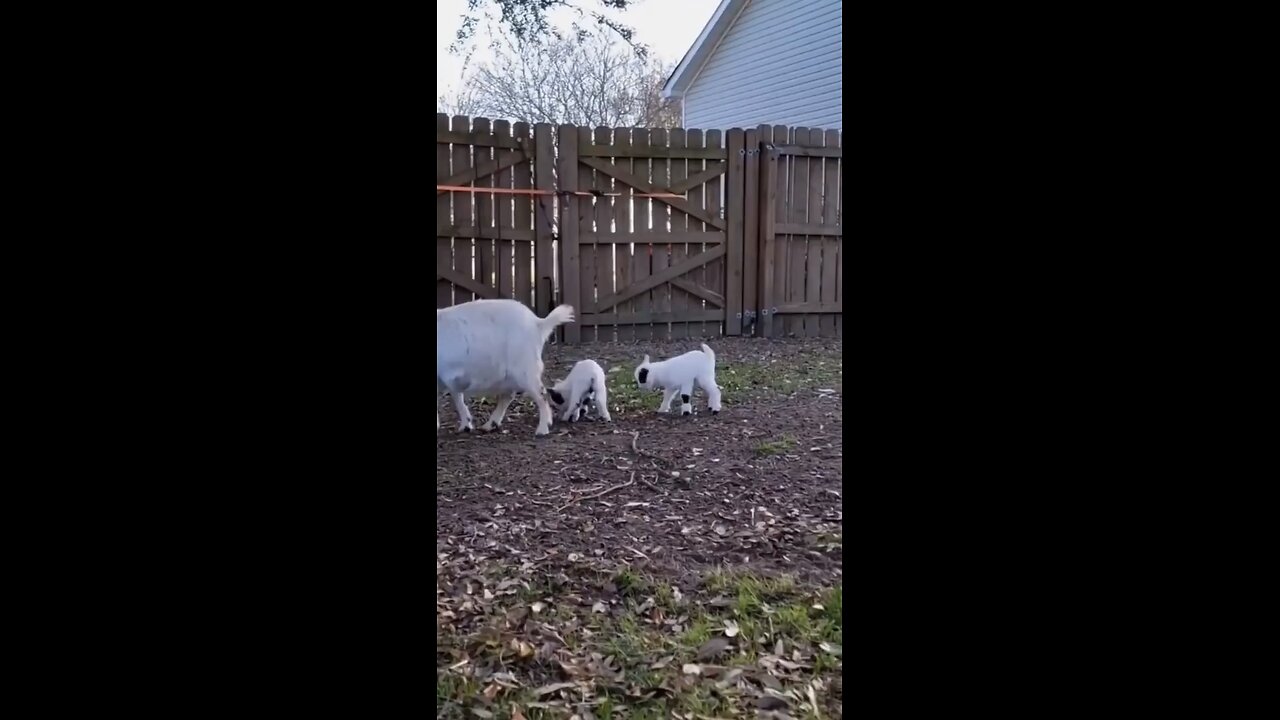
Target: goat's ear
(645, 361)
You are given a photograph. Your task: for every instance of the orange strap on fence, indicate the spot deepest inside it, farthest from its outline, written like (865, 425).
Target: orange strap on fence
(587, 193)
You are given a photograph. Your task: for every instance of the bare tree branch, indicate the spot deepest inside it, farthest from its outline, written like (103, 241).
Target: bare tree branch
(594, 81)
(526, 20)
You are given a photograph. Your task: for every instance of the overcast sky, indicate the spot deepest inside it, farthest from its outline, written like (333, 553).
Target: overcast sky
(668, 27)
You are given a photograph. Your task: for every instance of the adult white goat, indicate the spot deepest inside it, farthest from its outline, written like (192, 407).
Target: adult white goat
(494, 347)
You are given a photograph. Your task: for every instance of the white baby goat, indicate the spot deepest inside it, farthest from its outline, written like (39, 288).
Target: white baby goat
(494, 347)
(678, 374)
(582, 387)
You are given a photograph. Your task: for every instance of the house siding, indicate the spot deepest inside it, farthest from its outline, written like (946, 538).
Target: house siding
(778, 64)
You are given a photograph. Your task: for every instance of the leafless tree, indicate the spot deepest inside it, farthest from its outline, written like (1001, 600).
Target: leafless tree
(526, 20)
(592, 81)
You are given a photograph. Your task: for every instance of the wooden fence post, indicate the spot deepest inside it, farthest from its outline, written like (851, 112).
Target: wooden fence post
(734, 218)
(768, 213)
(570, 282)
(544, 260)
(751, 231)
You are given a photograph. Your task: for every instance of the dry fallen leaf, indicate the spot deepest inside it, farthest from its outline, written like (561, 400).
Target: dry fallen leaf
(492, 691)
(712, 648)
(662, 663)
(545, 689)
(516, 714)
(729, 678)
(831, 648)
(599, 607)
(539, 606)
(691, 669)
(769, 702)
(485, 714)
(769, 681)
(731, 628)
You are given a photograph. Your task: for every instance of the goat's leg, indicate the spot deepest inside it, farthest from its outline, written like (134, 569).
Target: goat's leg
(686, 398)
(602, 404)
(667, 396)
(499, 412)
(571, 403)
(544, 414)
(713, 393)
(464, 415)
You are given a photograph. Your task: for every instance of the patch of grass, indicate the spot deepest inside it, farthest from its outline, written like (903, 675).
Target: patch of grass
(739, 380)
(627, 639)
(738, 583)
(764, 608)
(780, 446)
(453, 688)
(627, 397)
(833, 603)
(793, 621)
(702, 701)
(718, 581)
(663, 595)
(629, 582)
(699, 631)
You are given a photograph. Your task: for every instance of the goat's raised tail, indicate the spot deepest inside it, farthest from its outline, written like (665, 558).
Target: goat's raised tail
(709, 353)
(554, 319)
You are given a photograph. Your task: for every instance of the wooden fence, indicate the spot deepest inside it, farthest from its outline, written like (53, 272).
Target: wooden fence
(648, 233)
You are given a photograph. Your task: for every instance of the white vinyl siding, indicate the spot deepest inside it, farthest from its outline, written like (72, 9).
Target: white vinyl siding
(778, 64)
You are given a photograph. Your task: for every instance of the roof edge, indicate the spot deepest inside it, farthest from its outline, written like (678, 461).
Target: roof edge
(712, 33)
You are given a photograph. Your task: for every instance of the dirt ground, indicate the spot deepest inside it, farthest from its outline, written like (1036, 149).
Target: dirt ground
(569, 566)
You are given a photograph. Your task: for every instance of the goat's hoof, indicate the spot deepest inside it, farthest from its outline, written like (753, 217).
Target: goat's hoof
(715, 412)
(488, 427)
(464, 428)
(686, 413)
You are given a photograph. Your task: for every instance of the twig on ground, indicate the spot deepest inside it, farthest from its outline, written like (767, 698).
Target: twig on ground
(602, 493)
(648, 482)
(636, 436)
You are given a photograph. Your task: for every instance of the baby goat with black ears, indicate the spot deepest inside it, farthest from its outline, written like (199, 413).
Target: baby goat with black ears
(678, 375)
(583, 388)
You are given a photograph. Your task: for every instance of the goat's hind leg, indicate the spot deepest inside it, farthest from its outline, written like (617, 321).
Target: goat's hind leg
(686, 399)
(464, 415)
(544, 414)
(499, 412)
(713, 393)
(602, 404)
(533, 387)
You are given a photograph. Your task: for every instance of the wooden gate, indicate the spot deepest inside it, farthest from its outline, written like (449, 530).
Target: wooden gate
(661, 233)
(488, 243)
(796, 265)
(647, 267)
